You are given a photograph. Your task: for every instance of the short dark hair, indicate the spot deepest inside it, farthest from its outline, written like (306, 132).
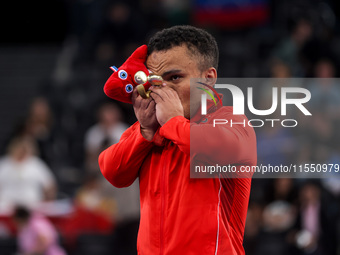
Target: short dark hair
(21, 213)
(199, 42)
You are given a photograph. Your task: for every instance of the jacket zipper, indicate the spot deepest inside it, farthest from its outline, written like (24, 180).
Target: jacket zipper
(162, 207)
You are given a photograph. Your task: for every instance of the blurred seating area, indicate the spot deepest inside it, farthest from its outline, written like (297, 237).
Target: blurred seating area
(55, 115)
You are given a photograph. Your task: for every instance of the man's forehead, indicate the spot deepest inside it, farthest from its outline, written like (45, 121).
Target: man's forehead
(175, 58)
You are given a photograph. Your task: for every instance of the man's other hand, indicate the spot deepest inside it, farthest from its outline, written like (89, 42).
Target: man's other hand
(146, 114)
(168, 104)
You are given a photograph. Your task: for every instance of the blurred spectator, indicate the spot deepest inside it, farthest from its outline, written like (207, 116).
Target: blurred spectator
(39, 119)
(332, 182)
(90, 197)
(106, 30)
(36, 235)
(278, 216)
(127, 200)
(126, 216)
(39, 125)
(280, 77)
(24, 178)
(289, 50)
(272, 228)
(177, 11)
(325, 90)
(316, 222)
(280, 70)
(106, 132)
(98, 194)
(310, 196)
(321, 129)
(282, 189)
(253, 227)
(324, 69)
(123, 29)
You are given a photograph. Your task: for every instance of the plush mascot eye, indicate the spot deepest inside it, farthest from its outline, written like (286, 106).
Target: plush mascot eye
(128, 88)
(122, 74)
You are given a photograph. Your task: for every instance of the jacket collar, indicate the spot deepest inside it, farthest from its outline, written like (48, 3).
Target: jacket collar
(211, 107)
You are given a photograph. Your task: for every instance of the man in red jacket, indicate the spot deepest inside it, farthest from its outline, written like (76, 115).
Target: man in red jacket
(179, 214)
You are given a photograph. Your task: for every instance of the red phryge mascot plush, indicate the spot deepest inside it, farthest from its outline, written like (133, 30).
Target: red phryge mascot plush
(132, 73)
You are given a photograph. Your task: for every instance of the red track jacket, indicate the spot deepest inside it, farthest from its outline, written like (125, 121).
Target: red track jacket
(181, 215)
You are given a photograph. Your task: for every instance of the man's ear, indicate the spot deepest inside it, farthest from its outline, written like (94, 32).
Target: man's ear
(210, 76)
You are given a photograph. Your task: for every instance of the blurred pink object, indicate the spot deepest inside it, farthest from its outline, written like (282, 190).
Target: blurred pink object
(39, 227)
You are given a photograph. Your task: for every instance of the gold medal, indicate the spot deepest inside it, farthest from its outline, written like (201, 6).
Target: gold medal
(141, 78)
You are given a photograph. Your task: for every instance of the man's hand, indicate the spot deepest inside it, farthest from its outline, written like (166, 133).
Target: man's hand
(168, 104)
(146, 114)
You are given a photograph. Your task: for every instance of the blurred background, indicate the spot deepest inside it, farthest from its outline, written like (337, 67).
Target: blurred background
(55, 119)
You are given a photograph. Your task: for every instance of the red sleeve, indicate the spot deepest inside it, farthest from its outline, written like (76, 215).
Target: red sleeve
(121, 162)
(222, 143)
(177, 130)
